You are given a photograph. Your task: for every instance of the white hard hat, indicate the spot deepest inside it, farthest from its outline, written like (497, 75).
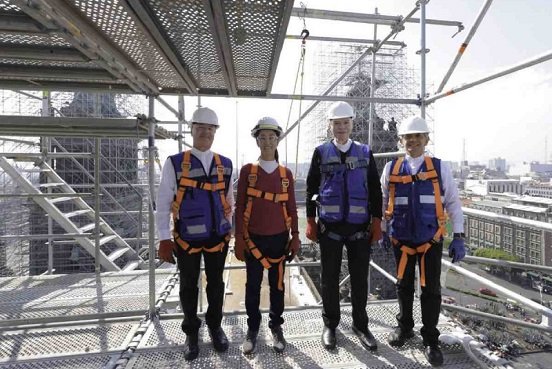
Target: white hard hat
(205, 116)
(267, 123)
(414, 124)
(340, 109)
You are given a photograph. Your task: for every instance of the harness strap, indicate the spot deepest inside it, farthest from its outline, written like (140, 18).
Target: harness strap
(360, 235)
(410, 251)
(391, 201)
(219, 247)
(334, 167)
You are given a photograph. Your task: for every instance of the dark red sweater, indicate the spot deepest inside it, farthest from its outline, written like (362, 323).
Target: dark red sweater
(267, 217)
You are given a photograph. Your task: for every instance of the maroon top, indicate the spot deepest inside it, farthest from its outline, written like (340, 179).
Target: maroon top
(267, 217)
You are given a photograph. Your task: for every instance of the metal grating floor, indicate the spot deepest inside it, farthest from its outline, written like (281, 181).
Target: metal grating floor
(102, 343)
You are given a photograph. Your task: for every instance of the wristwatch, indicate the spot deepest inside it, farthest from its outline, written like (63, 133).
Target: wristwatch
(459, 235)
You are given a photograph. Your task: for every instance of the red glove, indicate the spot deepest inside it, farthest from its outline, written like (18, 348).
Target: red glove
(166, 249)
(375, 230)
(239, 247)
(294, 246)
(312, 229)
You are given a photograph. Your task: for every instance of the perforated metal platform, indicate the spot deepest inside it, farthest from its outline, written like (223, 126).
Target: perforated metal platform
(105, 343)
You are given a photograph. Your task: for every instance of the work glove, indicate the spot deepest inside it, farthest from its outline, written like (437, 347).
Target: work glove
(385, 241)
(312, 229)
(375, 230)
(457, 251)
(293, 247)
(166, 250)
(239, 247)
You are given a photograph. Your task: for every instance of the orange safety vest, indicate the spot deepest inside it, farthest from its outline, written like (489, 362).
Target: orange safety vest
(268, 196)
(406, 250)
(185, 182)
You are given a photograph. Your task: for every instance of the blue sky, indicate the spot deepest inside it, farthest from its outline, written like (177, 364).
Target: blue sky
(508, 117)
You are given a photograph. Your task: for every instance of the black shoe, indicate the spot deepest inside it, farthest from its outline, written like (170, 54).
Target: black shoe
(434, 355)
(328, 338)
(398, 337)
(191, 349)
(366, 338)
(250, 342)
(278, 340)
(220, 342)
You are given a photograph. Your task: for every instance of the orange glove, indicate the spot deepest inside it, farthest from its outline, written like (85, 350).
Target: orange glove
(239, 247)
(294, 246)
(312, 229)
(375, 230)
(166, 249)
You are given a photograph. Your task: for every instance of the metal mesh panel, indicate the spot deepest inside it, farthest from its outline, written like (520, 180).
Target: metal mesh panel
(186, 25)
(36, 39)
(73, 295)
(83, 339)
(83, 362)
(253, 54)
(50, 63)
(114, 21)
(6, 6)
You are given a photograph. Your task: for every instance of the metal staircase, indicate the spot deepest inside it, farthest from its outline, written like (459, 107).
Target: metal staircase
(115, 253)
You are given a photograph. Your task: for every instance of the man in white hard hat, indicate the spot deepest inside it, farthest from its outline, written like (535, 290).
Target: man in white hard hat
(417, 191)
(195, 188)
(343, 185)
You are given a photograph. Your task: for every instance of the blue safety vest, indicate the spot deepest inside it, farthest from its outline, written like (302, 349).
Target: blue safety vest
(414, 219)
(343, 191)
(201, 212)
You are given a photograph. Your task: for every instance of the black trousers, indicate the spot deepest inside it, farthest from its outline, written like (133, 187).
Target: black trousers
(358, 255)
(430, 300)
(189, 265)
(273, 247)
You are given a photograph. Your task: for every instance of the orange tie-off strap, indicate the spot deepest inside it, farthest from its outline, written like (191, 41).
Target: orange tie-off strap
(391, 200)
(219, 247)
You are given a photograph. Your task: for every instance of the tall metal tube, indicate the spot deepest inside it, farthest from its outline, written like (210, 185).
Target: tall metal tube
(372, 91)
(47, 147)
(181, 116)
(465, 44)
(97, 205)
(151, 207)
(422, 57)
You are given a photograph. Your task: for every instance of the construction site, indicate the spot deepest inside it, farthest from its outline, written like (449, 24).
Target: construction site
(82, 87)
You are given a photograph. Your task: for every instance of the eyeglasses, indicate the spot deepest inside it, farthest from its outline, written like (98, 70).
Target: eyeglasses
(267, 138)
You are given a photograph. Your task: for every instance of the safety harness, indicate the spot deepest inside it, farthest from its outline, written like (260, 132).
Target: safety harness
(185, 182)
(394, 179)
(268, 196)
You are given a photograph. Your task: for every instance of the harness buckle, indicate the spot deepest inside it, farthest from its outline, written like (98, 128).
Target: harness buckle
(252, 178)
(285, 182)
(350, 165)
(186, 165)
(422, 176)
(220, 169)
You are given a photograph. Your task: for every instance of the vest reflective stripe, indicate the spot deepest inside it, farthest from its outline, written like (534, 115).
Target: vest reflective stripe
(282, 198)
(357, 209)
(343, 191)
(202, 214)
(401, 200)
(427, 199)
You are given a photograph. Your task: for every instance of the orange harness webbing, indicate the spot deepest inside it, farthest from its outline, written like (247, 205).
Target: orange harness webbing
(394, 178)
(183, 182)
(268, 196)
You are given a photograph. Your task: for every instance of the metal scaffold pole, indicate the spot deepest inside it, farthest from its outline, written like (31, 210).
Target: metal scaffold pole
(423, 51)
(181, 120)
(97, 205)
(47, 147)
(372, 88)
(151, 207)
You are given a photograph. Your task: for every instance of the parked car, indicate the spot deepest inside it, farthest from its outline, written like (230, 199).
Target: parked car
(487, 291)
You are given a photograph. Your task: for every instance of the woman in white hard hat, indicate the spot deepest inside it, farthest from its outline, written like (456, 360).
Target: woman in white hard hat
(195, 188)
(417, 190)
(266, 214)
(343, 185)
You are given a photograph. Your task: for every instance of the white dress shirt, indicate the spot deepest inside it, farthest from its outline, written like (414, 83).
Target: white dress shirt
(451, 201)
(167, 191)
(268, 166)
(343, 147)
